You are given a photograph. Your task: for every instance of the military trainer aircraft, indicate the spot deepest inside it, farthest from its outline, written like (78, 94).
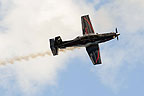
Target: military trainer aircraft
(90, 40)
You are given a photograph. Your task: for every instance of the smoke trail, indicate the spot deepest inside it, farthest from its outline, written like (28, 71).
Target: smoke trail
(31, 56)
(26, 58)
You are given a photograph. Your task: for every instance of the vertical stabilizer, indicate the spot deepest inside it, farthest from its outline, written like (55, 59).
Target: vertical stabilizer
(54, 49)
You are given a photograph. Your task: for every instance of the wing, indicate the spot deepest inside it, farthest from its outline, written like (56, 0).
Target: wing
(86, 25)
(94, 54)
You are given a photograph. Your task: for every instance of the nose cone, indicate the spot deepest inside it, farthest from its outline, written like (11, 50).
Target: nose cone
(117, 34)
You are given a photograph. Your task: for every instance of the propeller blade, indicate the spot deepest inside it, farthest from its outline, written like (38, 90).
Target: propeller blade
(117, 38)
(116, 33)
(116, 30)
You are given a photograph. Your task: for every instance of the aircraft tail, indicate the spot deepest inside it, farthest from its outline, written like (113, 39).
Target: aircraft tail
(54, 45)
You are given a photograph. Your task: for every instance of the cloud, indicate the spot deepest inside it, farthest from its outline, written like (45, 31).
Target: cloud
(29, 24)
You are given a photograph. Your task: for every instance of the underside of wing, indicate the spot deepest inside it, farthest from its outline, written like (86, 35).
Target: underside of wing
(94, 53)
(86, 25)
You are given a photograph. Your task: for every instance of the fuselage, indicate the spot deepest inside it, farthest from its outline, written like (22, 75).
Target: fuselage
(86, 40)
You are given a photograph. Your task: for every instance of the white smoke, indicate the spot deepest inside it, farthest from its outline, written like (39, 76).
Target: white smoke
(32, 56)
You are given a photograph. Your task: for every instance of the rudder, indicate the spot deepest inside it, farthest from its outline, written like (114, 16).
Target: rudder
(54, 49)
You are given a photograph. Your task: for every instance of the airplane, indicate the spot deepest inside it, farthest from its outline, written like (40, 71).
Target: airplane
(90, 40)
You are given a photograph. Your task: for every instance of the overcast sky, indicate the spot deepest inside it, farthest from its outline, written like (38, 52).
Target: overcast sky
(27, 25)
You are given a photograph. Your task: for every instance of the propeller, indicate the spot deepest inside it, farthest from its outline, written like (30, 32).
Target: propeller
(117, 33)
